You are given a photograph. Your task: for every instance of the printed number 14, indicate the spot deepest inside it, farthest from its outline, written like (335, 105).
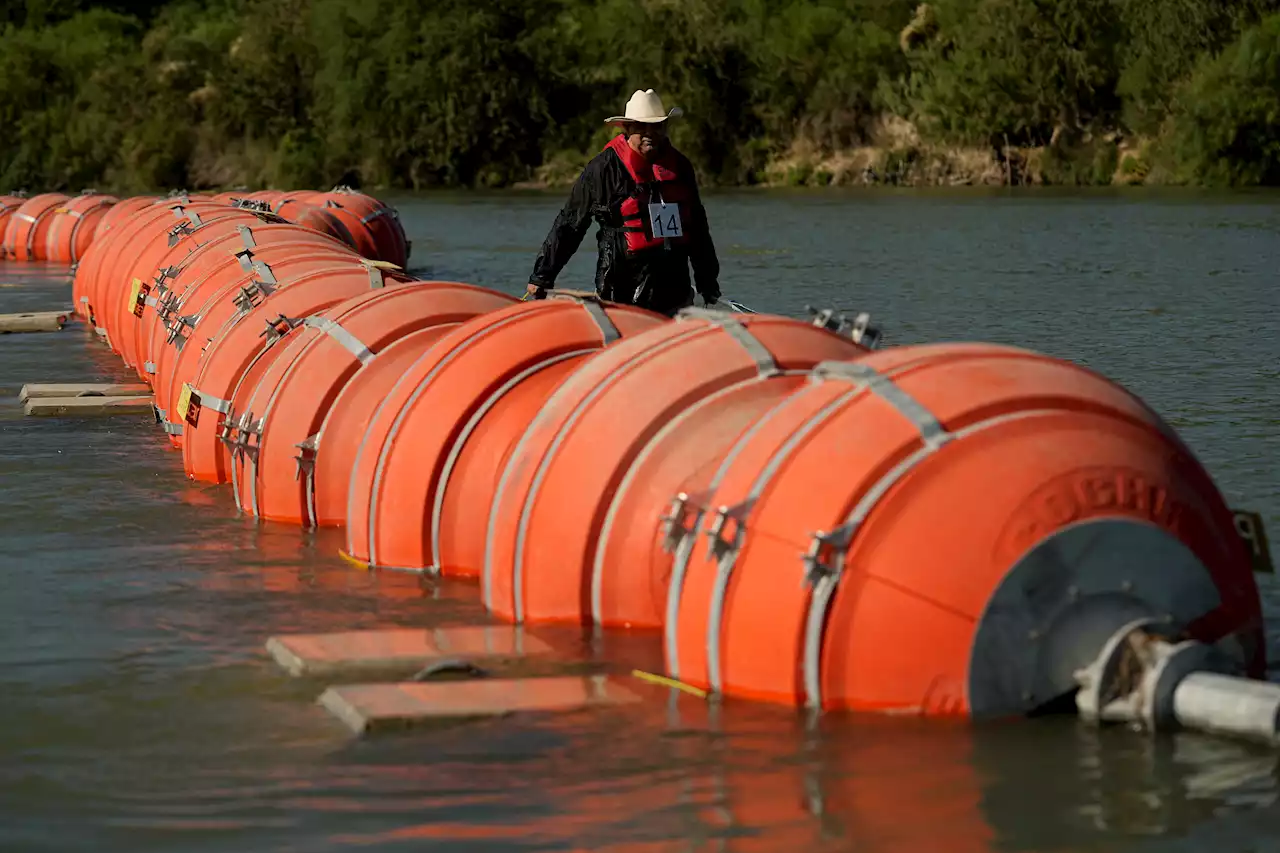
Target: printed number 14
(666, 220)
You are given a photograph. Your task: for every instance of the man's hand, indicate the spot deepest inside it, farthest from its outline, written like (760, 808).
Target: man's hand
(535, 291)
(711, 295)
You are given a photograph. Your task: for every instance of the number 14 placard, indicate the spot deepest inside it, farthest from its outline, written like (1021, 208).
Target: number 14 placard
(666, 220)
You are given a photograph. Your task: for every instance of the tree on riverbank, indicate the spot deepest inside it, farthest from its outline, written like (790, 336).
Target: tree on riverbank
(418, 93)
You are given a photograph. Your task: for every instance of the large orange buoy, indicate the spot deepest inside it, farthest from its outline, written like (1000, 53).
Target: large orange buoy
(222, 296)
(380, 220)
(630, 564)
(178, 287)
(270, 197)
(317, 219)
(348, 420)
(551, 505)
(431, 453)
(279, 420)
(8, 204)
(312, 197)
(107, 287)
(157, 255)
(28, 226)
(244, 347)
(72, 228)
(950, 529)
(86, 269)
(221, 300)
(122, 210)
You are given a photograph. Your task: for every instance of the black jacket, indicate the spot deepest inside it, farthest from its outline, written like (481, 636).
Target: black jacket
(657, 279)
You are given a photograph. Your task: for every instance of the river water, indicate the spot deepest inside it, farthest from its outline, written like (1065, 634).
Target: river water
(139, 712)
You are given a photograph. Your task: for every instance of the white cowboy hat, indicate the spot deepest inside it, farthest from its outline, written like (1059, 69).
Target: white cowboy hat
(645, 106)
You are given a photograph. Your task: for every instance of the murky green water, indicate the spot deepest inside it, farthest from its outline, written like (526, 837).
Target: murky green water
(139, 712)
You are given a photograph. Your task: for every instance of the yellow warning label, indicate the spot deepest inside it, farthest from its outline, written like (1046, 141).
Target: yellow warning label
(184, 401)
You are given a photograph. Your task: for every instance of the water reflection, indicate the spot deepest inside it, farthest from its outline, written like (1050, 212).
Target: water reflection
(745, 779)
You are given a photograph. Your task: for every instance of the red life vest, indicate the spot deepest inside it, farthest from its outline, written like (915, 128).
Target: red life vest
(656, 180)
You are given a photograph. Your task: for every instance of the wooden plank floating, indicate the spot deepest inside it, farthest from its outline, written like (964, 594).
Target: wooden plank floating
(34, 390)
(368, 708)
(401, 648)
(36, 321)
(86, 407)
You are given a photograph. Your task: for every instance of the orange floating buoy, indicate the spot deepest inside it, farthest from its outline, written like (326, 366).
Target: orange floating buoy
(550, 509)
(631, 561)
(8, 204)
(122, 210)
(107, 287)
(950, 529)
(348, 420)
(179, 288)
(432, 451)
(73, 225)
(380, 220)
(276, 430)
(244, 347)
(155, 248)
(270, 197)
(156, 256)
(312, 197)
(224, 298)
(317, 219)
(28, 226)
(86, 269)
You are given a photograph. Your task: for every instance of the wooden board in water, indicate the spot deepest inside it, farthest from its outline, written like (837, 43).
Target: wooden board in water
(35, 321)
(86, 407)
(311, 654)
(38, 390)
(368, 708)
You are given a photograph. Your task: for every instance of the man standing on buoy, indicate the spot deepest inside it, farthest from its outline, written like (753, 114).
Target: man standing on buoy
(643, 194)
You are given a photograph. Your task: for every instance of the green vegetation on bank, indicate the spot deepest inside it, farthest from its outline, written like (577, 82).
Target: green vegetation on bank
(133, 96)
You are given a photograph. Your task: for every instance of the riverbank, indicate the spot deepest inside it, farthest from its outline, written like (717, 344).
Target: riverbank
(897, 155)
(130, 97)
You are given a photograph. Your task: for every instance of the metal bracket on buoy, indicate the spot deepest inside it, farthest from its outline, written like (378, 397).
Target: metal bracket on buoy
(175, 325)
(825, 555)
(249, 297)
(236, 432)
(716, 542)
(279, 327)
(864, 333)
(676, 523)
(165, 304)
(306, 465)
(252, 205)
(305, 461)
(859, 329)
(176, 233)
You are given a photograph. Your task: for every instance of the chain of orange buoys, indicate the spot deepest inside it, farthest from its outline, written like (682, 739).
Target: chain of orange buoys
(955, 528)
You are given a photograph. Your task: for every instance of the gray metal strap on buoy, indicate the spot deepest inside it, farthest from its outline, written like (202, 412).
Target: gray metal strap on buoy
(733, 327)
(376, 277)
(348, 341)
(593, 305)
